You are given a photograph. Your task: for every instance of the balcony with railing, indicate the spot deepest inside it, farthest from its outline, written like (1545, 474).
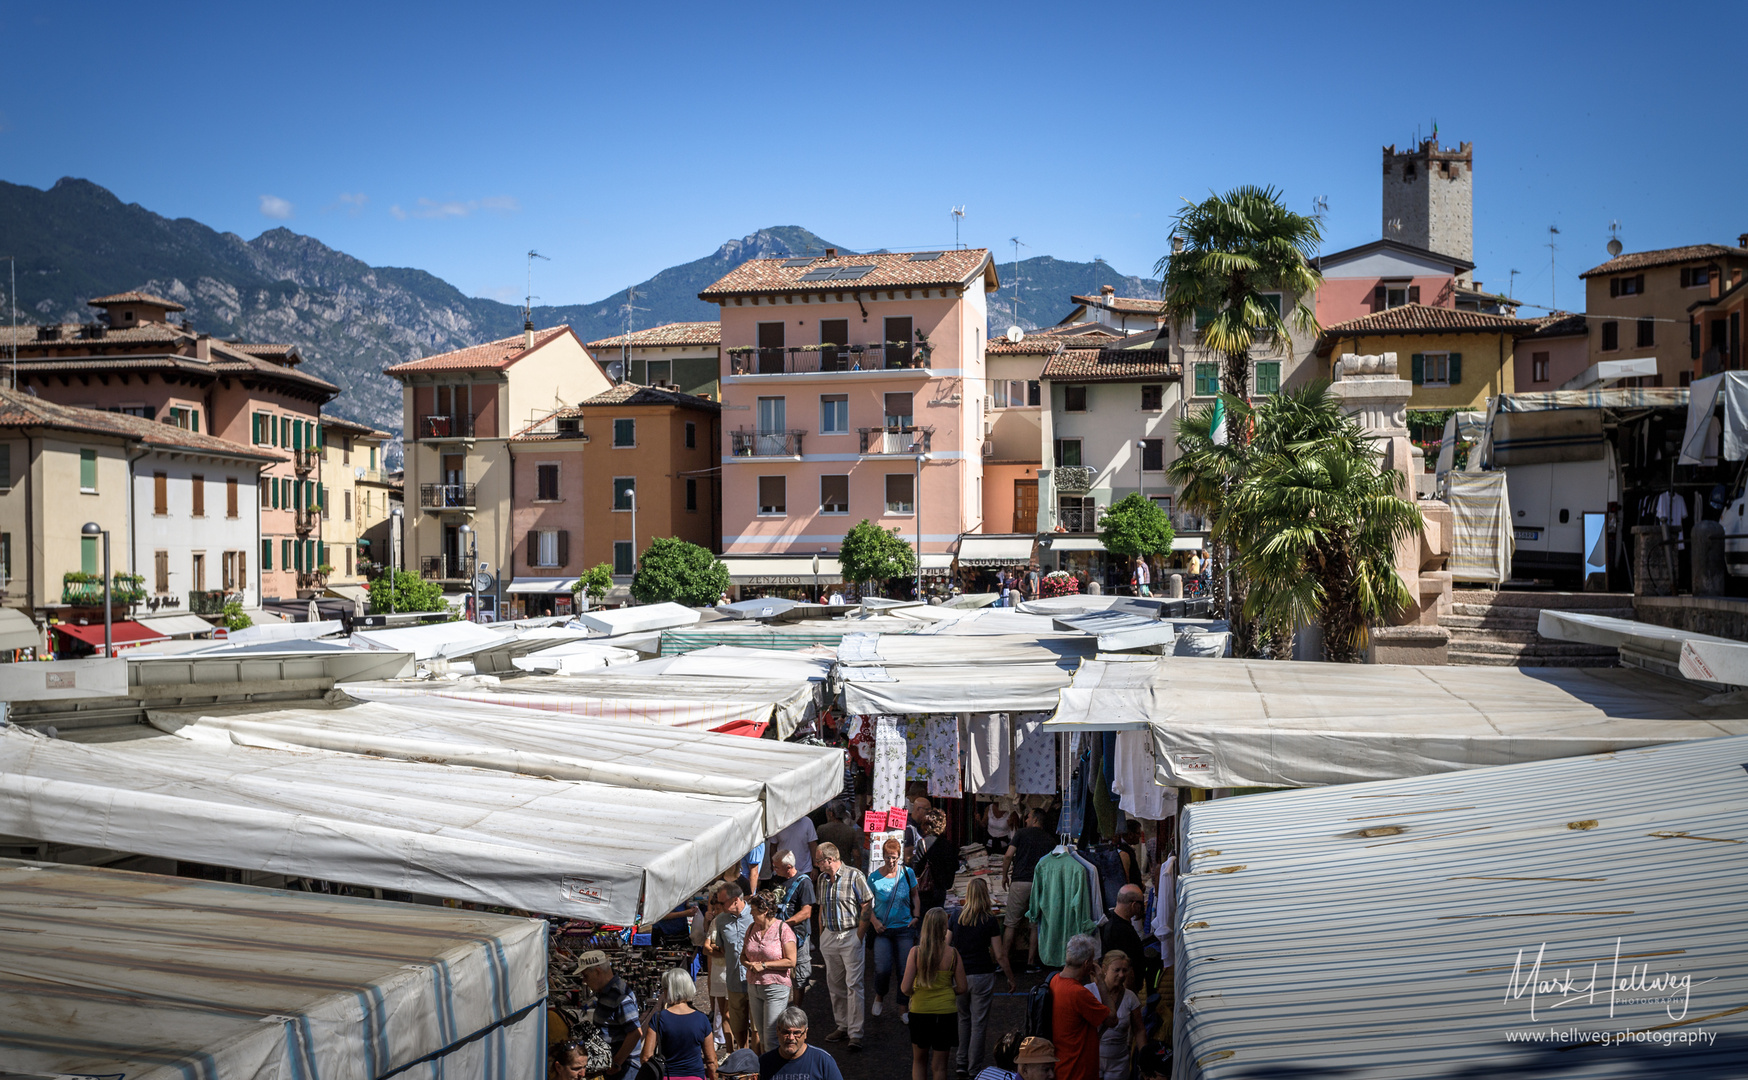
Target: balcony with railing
(440, 427)
(1079, 519)
(896, 439)
(749, 443)
(815, 359)
(307, 520)
(437, 498)
(209, 601)
(304, 460)
(445, 568)
(1183, 521)
(86, 590)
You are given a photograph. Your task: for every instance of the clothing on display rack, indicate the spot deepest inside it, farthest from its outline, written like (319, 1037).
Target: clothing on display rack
(1107, 858)
(1061, 905)
(1140, 794)
(1095, 888)
(889, 754)
(1165, 907)
(1074, 798)
(987, 760)
(942, 739)
(1034, 756)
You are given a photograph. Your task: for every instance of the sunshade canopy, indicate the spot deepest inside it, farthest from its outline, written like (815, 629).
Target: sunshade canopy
(1393, 930)
(181, 625)
(547, 585)
(633, 620)
(17, 631)
(1272, 723)
(122, 632)
(929, 674)
(109, 973)
(995, 551)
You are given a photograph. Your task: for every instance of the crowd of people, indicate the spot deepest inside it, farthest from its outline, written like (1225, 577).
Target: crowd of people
(937, 968)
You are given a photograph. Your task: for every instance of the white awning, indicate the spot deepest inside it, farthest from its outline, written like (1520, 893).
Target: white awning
(929, 674)
(1260, 723)
(781, 569)
(1398, 929)
(977, 550)
(211, 979)
(574, 658)
(358, 594)
(561, 585)
(636, 620)
(1076, 543)
(1186, 543)
(563, 847)
(177, 626)
(17, 631)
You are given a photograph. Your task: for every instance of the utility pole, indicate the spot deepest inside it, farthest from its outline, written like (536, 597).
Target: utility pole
(12, 298)
(1553, 276)
(1018, 244)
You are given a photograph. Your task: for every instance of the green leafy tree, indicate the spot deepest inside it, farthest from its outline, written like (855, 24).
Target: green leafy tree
(595, 581)
(870, 553)
(234, 617)
(681, 572)
(405, 591)
(1135, 526)
(1316, 521)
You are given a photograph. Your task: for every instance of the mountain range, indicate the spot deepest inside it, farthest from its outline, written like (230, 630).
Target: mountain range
(350, 320)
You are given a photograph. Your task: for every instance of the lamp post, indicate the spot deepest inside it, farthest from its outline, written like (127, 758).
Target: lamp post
(396, 514)
(633, 494)
(91, 528)
(467, 531)
(816, 576)
(917, 495)
(1141, 468)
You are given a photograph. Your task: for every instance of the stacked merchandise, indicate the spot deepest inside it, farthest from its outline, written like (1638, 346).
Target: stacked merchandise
(975, 861)
(638, 958)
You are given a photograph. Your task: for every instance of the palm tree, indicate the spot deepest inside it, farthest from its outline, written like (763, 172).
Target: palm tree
(1204, 471)
(1316, 520)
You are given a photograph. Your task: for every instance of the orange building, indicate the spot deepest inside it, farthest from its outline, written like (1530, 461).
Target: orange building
(597, 481)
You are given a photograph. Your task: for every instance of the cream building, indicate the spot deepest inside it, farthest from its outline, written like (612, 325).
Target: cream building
(350, 452)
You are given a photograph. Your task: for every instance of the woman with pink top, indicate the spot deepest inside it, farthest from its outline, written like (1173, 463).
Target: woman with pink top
(769, 954)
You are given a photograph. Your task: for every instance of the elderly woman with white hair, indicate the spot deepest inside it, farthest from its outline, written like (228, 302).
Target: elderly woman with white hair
(682, 1032)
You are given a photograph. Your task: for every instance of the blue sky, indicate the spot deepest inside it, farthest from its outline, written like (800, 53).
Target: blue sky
(622, 138)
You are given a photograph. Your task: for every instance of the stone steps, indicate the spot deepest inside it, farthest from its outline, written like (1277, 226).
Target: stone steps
(1498, 629)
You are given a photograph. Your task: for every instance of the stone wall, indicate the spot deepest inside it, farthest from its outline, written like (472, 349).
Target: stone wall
(1718, 616)
(1429, 192)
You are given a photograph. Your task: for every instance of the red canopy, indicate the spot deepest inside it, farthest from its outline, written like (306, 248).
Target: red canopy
(125, 632)
(751, 728)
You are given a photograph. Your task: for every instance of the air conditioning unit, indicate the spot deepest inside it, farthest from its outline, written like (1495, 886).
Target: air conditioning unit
(988, 426)
(988, 402)
(988, 449)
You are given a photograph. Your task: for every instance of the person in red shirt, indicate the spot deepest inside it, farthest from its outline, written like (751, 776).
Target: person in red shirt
(1078, 1014)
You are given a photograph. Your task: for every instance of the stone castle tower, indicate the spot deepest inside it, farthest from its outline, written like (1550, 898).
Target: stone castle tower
(1428, 198)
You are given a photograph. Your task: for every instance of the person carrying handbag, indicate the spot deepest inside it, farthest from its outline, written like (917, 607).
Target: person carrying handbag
(935, 861)
(678, 1042)
(896, 907)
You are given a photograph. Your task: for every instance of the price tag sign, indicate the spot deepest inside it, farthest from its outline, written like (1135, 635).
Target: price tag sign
(897, 819)
(874, 821)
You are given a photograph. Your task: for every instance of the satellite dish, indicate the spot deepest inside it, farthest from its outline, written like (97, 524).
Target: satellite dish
(1015, 334)
(616, 371)
(1614, 248)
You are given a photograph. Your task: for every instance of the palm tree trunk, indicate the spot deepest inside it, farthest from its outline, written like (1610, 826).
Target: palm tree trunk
(1236, 382)
(1343, 622)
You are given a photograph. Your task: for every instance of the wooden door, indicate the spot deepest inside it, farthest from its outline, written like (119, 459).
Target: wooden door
(1025, 506)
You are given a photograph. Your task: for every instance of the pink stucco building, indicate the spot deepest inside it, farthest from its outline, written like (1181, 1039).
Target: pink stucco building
(839, 372)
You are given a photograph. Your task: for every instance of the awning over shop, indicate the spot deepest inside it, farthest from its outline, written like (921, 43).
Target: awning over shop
(993, 551)
(937, 564)
(177, 626)
(17, 631)
(358, 594)
(554, 585)
(563, 847)
(122, 632)
(114, 974)
(1075, 543)
(1437, 904)
(789, 780)
(1260, 723)
(1186, 543)
(781, 569)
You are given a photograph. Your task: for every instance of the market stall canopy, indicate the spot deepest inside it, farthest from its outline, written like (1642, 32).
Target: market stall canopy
(358, 594)
(1398, 930)
(284, 631)
(889, 651)
(789, 780)
(431, 640)
(563, 847)
(1698, 445)
(1277, 723)
(574, 658)
(543, 585)
(634, 620)
(176, 626)
(118, 974)
(737, 662)
(121, 632)
(701, 702)
(774, 607)
(17, 631)
(787, 636)
(1120, 630)
(900, 675)
(995, 551)
(1643, 644)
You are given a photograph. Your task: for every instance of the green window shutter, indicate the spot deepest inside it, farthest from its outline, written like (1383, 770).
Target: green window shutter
(285, 554)
(255, 428)
(321, 436)
(266, 554)
(273, 492)
(194, 419)
(88, 470)
(296, 435)
(1419, 369)
(88, 554)
(1456, 368)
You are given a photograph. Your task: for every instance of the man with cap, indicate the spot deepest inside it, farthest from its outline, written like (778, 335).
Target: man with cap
(1036, 1059)
(743, 1064)
(614, 1012)
(793, 1059)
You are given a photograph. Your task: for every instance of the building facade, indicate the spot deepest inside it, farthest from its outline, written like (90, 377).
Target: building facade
(1557, 350)
(683, 356)
(1639, 305)
(461, 408)
(350, 453)
(852, 389)
(1456, 359)
(1715, 327)
(1429, 194)
(1385, 274)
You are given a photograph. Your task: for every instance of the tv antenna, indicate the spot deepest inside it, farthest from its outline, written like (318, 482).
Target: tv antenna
(1320, 207)
(958, 216)
(12, 350)
(1018, 244)
(630, 308)
(1614, 239)
(1511, 286)
(528, 300)
(1553, 276)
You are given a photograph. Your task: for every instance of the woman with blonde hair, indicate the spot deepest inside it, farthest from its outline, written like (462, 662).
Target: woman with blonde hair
(977, 934)
(1118, 1043)
(934, 977)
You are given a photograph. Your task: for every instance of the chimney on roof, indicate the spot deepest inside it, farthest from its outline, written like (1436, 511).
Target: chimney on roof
(831, 253)
(1177, 245)
(528, 333)
(1742, 241)
(203, 347)
(1107, 291)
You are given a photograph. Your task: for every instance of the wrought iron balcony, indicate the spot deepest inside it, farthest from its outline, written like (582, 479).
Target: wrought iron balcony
(444, 568)
(446, 496)
(765, 444)
(304, 460)
(306, 520)
(86, 590)
(1186, 522)
(905, 439)
(809, 359)
(207, 602)
(433, 428)
(1079, 519)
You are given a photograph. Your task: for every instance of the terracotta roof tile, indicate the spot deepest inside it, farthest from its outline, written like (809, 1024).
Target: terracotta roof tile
(1111, 365)
(897, 270)
(1030, 345)
(679, 333)
(1645, 260)
(136, 297)
(1128, 305)
(1421, 319)
(267, 352)
(19, 409)
(353, 428)
(1052, 339)
(1093, 329)
(626, 393)
(1559, 324)
(72, 351)
(493, 355)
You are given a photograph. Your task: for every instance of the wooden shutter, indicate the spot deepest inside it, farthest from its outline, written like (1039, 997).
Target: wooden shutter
(1419, 361)
(161, 571)
(197, 485)
(1686, 276)
(1380, 297)
(242, 570)
(230, 496)
(1614, 286)
(160, 493)
(1639, 284)
(1414, 294)
(564, 547)
(1455, 368)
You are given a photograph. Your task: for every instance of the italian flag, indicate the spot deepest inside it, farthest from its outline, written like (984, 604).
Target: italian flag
(1217, 429)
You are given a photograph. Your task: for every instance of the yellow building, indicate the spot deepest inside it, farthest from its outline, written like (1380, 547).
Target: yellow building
(350, 453)
(1456, 358)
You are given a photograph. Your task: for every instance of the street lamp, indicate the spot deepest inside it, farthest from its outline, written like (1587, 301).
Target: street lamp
(91, 528)
(1141, 468)
(917, 496)
(395, 526)
(472, 537)
(816, 574)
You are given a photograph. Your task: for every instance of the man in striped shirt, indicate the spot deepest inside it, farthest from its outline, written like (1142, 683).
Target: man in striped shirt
(845, 898)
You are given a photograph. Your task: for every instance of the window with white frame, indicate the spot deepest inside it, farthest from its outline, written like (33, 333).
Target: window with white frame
(546, 547)
(659, 373)
(834, 414)
(624, 433)
(900, 493)
(834, 494)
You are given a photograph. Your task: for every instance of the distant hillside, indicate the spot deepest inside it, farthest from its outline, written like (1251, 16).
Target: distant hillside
(76, 240)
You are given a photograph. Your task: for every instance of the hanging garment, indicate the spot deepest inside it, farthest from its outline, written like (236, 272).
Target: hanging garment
(1060, 907)
(987, 762)
(1108, 858)
(942, 735)
(1104, 804)
(1095, 889)
(1140, 794)
(917, 756)
(1165, 909)
(1074, 798)
(889, 756)
(1034, 757)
